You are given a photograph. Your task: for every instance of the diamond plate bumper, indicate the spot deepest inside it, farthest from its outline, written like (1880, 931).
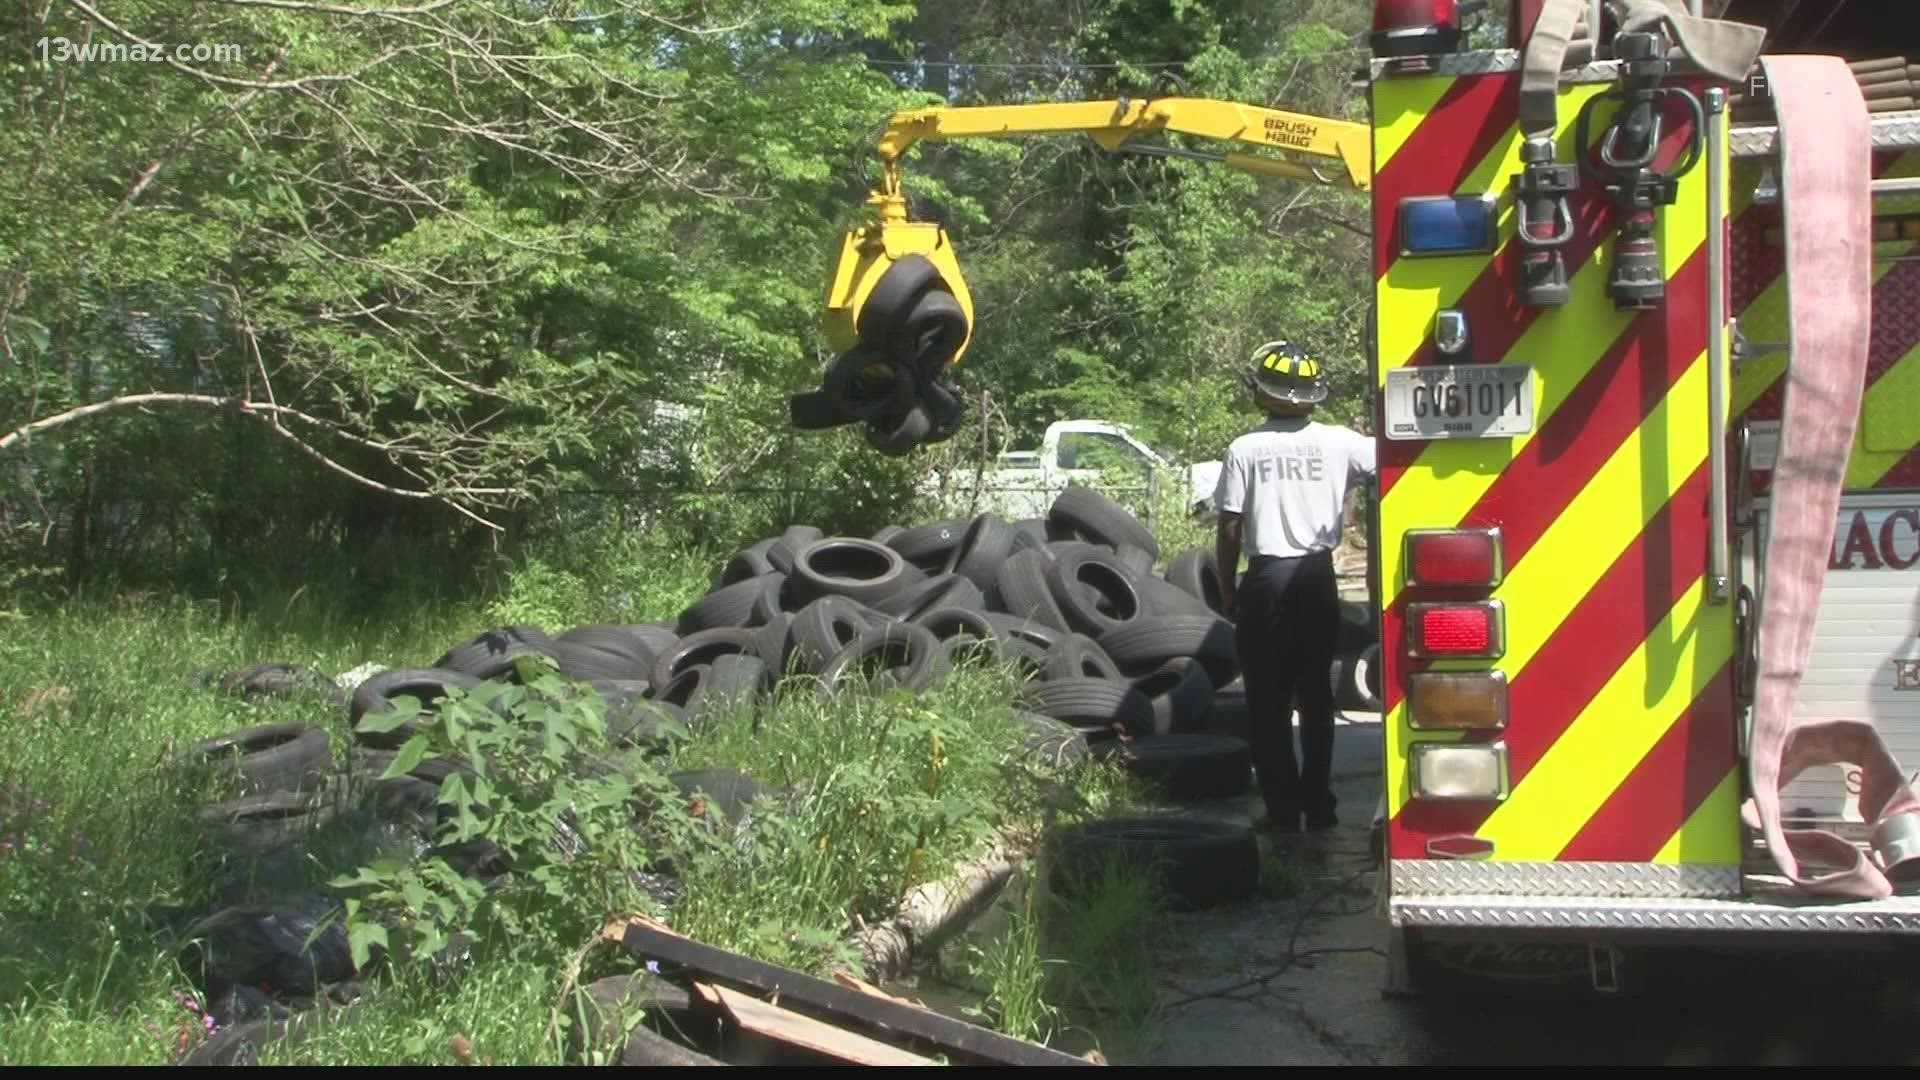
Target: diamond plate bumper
(1457, 877)
(1656, 919)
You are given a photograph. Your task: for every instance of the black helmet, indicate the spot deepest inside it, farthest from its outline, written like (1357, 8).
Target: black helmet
(1281, 371)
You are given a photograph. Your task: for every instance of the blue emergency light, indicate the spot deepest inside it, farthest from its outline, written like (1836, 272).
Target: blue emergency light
(1448, 225)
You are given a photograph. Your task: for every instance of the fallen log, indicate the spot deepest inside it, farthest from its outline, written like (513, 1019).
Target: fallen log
(931, 915)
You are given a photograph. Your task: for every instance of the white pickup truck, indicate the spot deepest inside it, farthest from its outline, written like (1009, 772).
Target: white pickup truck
(1091, 453)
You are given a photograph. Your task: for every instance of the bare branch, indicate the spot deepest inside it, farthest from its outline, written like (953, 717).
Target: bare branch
(223, 80)
(267, 414)
(336, 9)
(188, 138)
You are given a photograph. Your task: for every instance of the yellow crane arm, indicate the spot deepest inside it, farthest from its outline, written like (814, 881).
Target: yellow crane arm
(1112, 124)
(897, 308)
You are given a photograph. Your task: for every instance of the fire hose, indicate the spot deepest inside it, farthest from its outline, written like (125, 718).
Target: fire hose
(1825, 149)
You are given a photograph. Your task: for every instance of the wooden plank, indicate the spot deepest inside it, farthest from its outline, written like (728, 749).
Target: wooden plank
(781, 1025)
(961, 1041)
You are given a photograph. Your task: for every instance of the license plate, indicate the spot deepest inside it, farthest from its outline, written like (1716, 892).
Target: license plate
(1459, 401)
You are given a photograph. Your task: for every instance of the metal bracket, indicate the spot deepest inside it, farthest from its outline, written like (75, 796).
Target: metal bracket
(1603, 960)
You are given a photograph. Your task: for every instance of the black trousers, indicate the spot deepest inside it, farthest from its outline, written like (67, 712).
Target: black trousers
(1289, 617)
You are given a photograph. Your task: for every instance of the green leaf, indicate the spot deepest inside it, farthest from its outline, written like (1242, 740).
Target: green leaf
(411, 754)
(361, 937)
(399, 712)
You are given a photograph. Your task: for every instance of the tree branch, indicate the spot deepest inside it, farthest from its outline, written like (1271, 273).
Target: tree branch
(267, 414)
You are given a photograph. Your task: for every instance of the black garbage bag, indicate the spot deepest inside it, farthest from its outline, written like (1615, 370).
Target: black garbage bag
(291, 949)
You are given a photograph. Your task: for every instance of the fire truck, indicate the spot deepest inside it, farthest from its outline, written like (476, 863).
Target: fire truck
(1646, 351)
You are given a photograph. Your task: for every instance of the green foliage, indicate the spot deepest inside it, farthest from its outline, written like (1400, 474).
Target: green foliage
(552, 790)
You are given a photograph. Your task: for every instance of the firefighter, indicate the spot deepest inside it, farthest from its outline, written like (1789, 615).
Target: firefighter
(1281, 496)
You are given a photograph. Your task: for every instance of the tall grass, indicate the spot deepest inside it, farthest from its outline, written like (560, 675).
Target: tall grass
(869, 795)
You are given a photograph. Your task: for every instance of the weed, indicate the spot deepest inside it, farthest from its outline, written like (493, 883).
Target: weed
(1279, 878)
(1014, 974)
(1103, 927)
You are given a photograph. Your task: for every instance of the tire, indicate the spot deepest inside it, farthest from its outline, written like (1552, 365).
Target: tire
(271, 757)
(1029, 661)
(947, 622)
(699, 649)
(727, 792)
(428, 685)
(885, 534)
(891, 301)
(1051, 742)
(1136, 561)
(1357, 680)
(930, 547)
(896, 434)
(822, 629)
(748, 563)
(1141, 646)
(1077, 656)
(1094, 591)
(657, 637)
(987, 543)
(857, 569)
(1015, 628)
(1030, 532)
(588, 664)
(650, 723)
(968, 650)
(901, 655)
(733, 682)
(1158, 597)
(930, 334)
(1099, 708)
(1187, 768)
(1196, 572)
(490, 655)
(606, 1013)
(619, 640)
(727, 606)
(1358, 627)
(1182, 696)
(1081, 513)
(282, 680)
(261, 822)
(940, 591)
(1200, 863)
(776, 598)
(683, 690)
(772, 643)
(1021, 590)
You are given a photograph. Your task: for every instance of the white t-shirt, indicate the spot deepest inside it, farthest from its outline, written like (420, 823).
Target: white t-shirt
(1289, 478)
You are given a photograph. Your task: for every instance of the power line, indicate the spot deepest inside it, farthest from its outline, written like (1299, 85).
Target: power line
(1076, 65)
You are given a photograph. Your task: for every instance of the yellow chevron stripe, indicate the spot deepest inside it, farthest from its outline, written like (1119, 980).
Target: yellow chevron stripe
(1413, 289)
(1572, 555)
(1449, 477)
(1400, 106)
(1613, 733)
(1765, 319)
(1889, 422)
(1711, 833)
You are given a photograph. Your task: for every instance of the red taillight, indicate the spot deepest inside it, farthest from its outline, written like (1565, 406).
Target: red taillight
(1470, 630)
(1454, 557)
(1412, 14)
(1415, 27)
